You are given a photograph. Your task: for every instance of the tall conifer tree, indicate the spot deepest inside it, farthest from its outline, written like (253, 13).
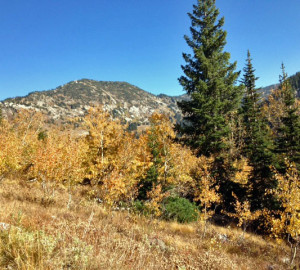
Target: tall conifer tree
(288, 142)
(209, 81)
(257, 141)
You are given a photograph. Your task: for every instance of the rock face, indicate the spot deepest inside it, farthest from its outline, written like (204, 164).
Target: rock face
(123, 100)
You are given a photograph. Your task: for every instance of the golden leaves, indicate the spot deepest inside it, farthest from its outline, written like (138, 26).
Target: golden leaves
(243, 170)
(205, 188)
(288, 193)
(243, 212)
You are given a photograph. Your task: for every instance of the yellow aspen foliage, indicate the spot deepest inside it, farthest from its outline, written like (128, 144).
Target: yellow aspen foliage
(175, 161)
(162, 126)
(160, 175)
(141, 150)
(205, 188)
(58, 158)
(27, 124)
(161, 135)
(104, 138)
(18, 138)
(288, 193)
(274, 109)
(130, 165)
(156, 196)
(243, 213)
(243, 170)
(27, 148)
(286, 222)
(116, 160)
(10, 159)
(184, 164)
(171, 164)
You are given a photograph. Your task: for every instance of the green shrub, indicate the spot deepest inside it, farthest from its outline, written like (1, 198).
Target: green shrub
(180, 210)
(139, 207)
(42, 135)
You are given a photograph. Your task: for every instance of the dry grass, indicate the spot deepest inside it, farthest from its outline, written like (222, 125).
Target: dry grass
(47, 234)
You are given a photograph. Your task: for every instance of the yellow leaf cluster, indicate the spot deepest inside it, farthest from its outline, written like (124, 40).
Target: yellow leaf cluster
(243, 212)
(112, 159)
(287, 221)
(205, 188)
(243, 170)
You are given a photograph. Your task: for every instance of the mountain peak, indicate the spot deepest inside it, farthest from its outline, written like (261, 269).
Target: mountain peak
(73, 99)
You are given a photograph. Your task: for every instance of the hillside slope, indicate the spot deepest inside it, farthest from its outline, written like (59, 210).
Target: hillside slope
(295, 82)
(41, 229)
(121, 99)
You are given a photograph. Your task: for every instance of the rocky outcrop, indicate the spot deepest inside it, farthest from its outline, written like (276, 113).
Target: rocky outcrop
(123, 100)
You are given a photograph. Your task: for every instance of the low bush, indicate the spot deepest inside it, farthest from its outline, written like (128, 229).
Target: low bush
(139, 207)
(179, 209)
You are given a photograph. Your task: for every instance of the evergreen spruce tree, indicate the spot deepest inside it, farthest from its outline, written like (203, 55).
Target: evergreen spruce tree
(209, 81)
(151, 178)
(258, 146)
(288, 142)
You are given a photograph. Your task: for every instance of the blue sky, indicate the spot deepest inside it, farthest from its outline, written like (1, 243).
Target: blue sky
(46, 43)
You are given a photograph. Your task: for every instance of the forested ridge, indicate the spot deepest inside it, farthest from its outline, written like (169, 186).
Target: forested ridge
(233, 161)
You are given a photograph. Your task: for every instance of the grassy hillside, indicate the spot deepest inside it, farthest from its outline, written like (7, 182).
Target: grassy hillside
(46, 227)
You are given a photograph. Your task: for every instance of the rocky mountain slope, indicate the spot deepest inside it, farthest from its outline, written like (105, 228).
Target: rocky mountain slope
(294, 80)
(121, 99)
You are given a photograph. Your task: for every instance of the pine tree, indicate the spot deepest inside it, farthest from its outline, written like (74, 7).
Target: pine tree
(151, 178)
(288, 142)
(257, 141)
(160, 137)
(209, 81)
